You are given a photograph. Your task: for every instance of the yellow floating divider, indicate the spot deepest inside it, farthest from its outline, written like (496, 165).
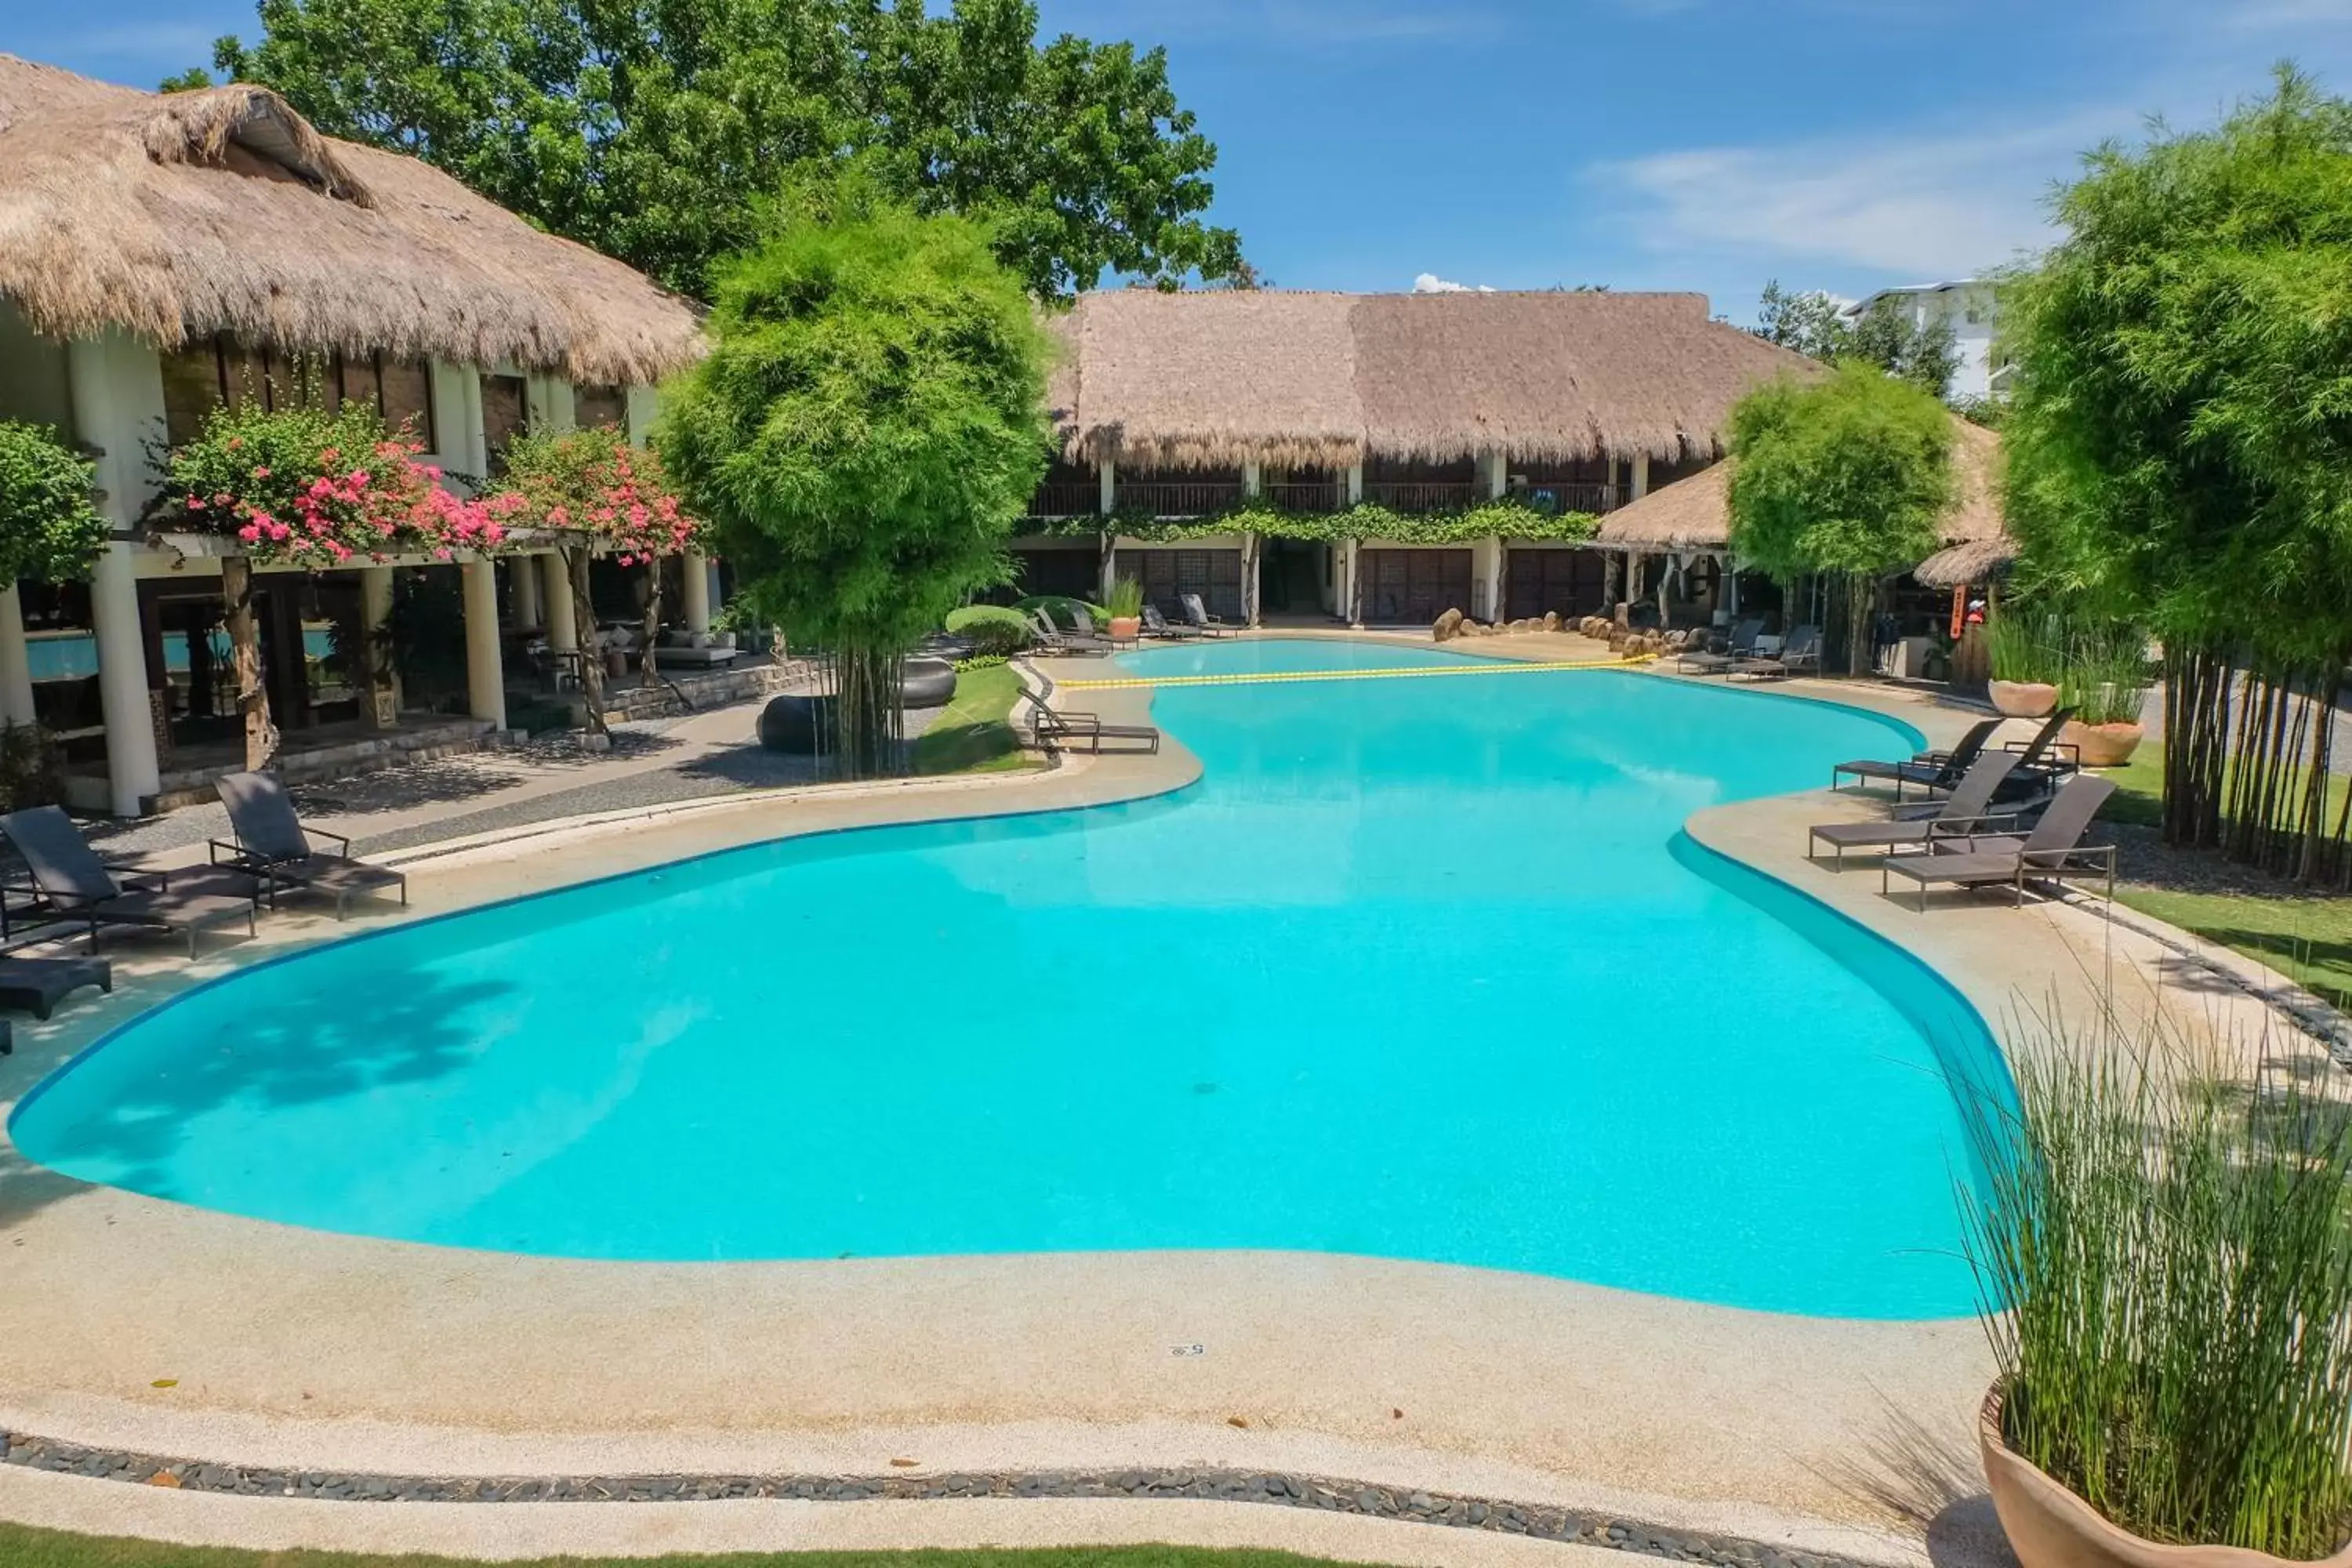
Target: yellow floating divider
(1268, 676)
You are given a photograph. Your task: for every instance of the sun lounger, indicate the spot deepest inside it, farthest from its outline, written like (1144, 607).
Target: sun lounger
(1051, 638)
(1700, 661)
(273, 842)
(1155, 624)
(1936, 770)
(1057, 731)
(2046, 758)
(78, 885)
(2053, 851)
(37, 985)
(1800, 655)
(1967, 807)
(1197, 614)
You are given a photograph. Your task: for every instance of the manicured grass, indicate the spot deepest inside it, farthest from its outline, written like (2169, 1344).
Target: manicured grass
(975, 735)
(2308, 939)
(23, 1548)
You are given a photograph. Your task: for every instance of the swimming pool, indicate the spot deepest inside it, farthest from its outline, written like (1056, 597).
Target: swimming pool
(1422, 968)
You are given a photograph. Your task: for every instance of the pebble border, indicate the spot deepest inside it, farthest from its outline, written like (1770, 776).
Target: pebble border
(1543, 1522)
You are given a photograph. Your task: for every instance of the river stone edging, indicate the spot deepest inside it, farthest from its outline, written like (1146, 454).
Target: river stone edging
(1543, 1522)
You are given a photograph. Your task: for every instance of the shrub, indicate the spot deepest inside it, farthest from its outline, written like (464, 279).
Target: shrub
(2106, 679)
(1125, 598)
(990, 628)
(49, 527)
(2027, 650)
(1058, 607)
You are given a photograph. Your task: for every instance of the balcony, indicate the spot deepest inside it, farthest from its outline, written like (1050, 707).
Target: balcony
(1075, 499)
(1424, 495)
(1180, 498)
(1556, 499)
(1318, 495)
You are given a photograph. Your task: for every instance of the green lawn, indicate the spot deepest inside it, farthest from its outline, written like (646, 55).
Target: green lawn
(974, 735)
(23, 1548)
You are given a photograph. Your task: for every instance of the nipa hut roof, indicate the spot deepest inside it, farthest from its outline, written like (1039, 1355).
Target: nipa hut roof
(1285, 378)
(175, 217)
(1695, 514)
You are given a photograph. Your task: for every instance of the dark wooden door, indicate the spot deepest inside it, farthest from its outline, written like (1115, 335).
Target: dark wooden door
(1408, 587)
(1572, 582)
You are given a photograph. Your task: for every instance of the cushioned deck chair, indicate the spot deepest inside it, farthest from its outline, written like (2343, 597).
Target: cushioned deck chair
(1968, 806)
(2053, 851)
(37, 984)
(1057, 731)
(1196, 614)
(1800, 654)
(1699, 661)
(76, 884)
(1936, 770)
(272, 842)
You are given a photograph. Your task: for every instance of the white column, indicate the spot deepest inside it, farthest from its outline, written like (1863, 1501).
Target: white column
(644, 407)
(376, 608)
(1641, 475)
(697, 590)
(1486, 568)
(1349, 549)
(1253, 477)
(1354, 484)
(486, 682)
(16, 665)
(1498, 474)
(555, 588)
(528, 612)
(117, 389)
(1110, 487)
(1250, 553)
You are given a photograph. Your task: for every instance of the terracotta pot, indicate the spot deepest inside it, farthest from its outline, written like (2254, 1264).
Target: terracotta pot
(2049, 1527)
(2101, 745)
(1126, 628)
(2022, 699)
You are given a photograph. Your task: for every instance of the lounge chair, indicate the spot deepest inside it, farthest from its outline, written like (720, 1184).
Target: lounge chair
(1968, 806)
(1197, 614)
(2045, 758)
(1800, 654)
(78, 885)
(1057, 731)
(37, 984)
(273, 842)
(1936, 770)
(1155, 624)
(2053, 851)
(1701, 661)
(1051, 638)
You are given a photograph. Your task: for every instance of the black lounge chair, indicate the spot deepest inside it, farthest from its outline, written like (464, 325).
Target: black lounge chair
(1936, 770)
(1057, 731)
(1968, 806)
(2045, 759)
(1054, 639)
(77, 885)
(37, 985)
(1800, 654)
(2051, 852)
(273, 843)
(1702, 661)
(1197, 614)
(1155, 624)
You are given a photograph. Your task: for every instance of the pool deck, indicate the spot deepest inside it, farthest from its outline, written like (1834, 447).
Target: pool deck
(131, 1323)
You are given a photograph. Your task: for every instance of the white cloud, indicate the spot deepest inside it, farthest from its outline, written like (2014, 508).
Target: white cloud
(1933, 205)
(1431, 283)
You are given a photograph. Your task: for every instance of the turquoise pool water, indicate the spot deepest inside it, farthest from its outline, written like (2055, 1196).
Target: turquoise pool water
(1422, 968)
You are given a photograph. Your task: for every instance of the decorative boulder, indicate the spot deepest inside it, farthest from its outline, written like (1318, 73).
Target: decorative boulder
(1448, 626)
(1551, 620)
(927, 683)
(789, 723)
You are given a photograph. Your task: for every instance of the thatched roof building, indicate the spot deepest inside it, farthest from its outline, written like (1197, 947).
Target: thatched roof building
(1695, 514)
(176, 216)
(1283, 378)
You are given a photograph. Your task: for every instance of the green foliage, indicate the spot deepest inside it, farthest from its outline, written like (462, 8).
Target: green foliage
(28, 768)
(2107, 678)
(1507, 516)
(1885, 335)
(1125, 599)
(652, 130)
(48, 527)
(1847, 475)
(2165, 1263)
(974, 733)
(993, 630)
(1058, 608)
(2026, 648)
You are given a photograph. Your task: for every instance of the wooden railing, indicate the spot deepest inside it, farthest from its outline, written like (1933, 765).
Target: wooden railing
(1180, 498)
(1325, 495)
(1424, 495)
(1561, 498)
(1073, 499)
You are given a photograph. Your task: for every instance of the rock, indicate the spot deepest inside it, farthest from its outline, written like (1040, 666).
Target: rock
(1448, 626)
(1551, 620)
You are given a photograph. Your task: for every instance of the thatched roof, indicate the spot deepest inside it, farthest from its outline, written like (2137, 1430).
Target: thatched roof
(1695, 514)
(176, 216)
(1214, 379)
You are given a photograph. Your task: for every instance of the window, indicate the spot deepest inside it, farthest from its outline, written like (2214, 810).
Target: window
(505, 413)
(594, 405)
(219, 371)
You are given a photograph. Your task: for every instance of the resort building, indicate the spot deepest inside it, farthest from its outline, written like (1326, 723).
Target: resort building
(1968, 306)
(160, 255)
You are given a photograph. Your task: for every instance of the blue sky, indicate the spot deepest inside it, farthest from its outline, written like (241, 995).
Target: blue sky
(1705, 144)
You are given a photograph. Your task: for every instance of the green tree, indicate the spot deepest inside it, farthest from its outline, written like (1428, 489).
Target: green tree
(1845, 476)
(650, 130)
(49, 528)
(2180, 451)
(864, 435)
(1885, 335)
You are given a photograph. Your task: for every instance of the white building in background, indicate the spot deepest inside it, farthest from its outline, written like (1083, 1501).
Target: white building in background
(1967, 303)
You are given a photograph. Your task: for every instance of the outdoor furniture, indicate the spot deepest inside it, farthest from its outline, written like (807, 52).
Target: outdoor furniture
(1703, 662)
(1800, 655)
(1197, 614)
(36, 985)
(1057, 731)
(272, 841)
(2053, 851)
(1053, 639)
(1968, 806)
(79, 887)
(1086, 624)
(1155, 624)
(2045, 757)
(1936, 770)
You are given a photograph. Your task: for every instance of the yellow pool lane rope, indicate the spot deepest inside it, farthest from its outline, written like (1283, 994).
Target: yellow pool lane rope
(1263, 678)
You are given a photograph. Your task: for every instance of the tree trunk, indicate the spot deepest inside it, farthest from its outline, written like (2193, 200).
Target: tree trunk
(245, 644)
(645, 675)
(583, 631)
(1860, 593)
(865, 724)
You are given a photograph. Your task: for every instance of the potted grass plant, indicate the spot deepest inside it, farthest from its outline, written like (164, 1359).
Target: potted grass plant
(1124, 604)
(2105, 683)
(2164, 1257)
(2028, 657)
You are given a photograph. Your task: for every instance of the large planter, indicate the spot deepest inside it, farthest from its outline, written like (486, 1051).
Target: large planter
(2022, 699)
(1126, 628)
(2049, 1527)
(2101, 745)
